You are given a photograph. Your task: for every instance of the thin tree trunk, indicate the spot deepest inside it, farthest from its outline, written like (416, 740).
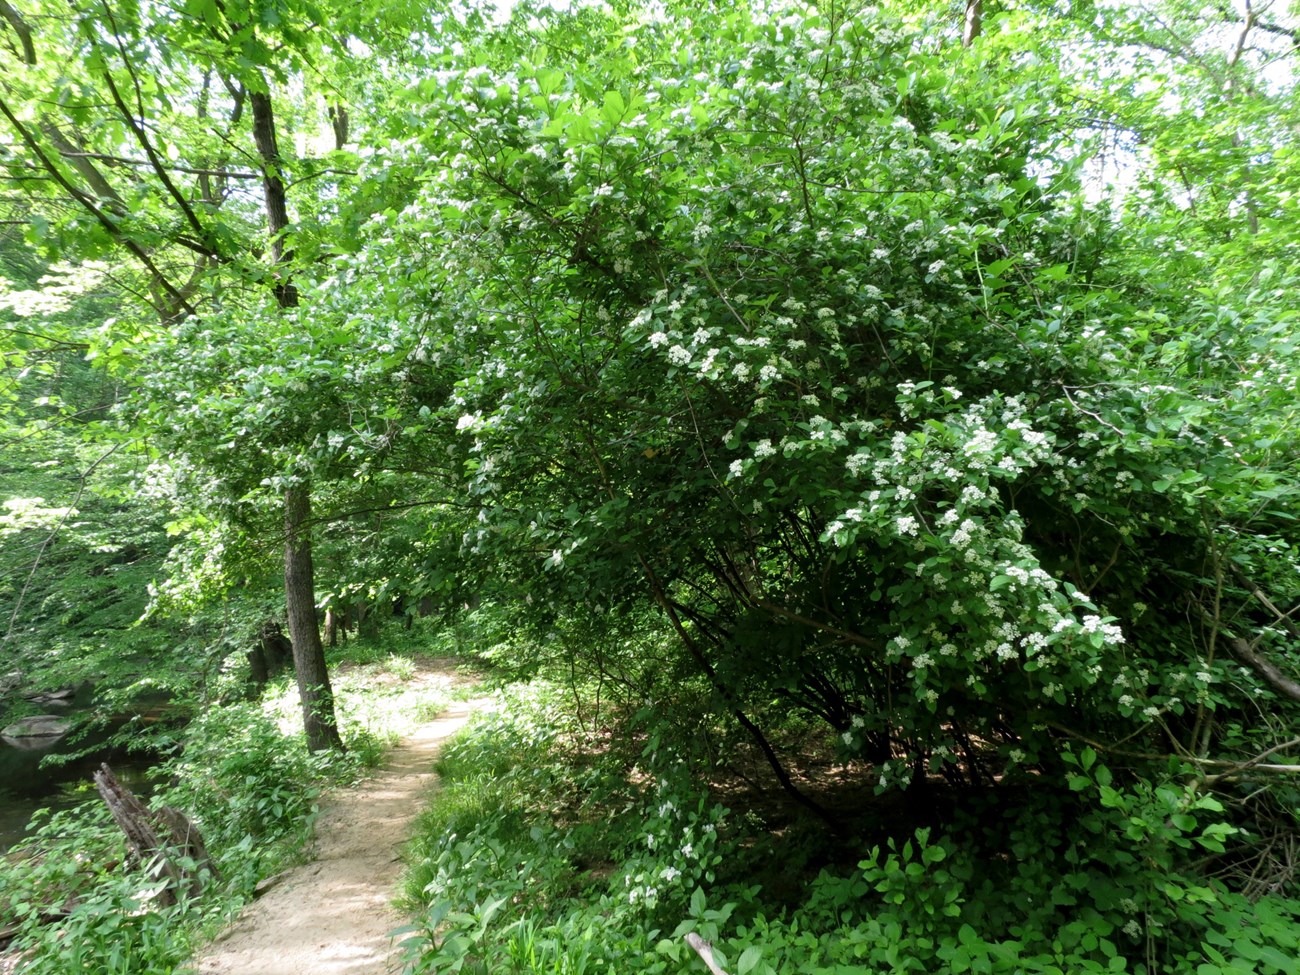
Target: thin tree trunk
(275, 197)
(319, 721)
(756, 733)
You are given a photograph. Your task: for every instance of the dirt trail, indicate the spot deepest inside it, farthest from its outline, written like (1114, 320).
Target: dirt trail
(333, 916)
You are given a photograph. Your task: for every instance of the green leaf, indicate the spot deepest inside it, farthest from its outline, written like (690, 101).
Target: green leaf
(698, 902)
(614, 108)
(750, 957)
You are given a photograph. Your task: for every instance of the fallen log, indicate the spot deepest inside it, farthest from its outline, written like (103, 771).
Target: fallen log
(165, 839)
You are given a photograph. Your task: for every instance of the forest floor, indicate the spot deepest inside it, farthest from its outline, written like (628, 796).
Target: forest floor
(334, 914)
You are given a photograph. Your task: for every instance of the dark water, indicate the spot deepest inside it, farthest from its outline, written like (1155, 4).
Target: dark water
(26, 785)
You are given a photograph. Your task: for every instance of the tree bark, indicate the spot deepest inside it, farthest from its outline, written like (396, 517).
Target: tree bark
(319, 721)
(318, 718)
(275, 196)
(974, 24)
(165, 838)
(1277, 680)
(338, 116)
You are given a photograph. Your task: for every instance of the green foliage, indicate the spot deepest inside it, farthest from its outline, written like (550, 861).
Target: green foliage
(248, 787)
(493, 869)
(112, 926)
(786, 366)
(523, 817)
(809, 335)
(77, 552)
(241, 775)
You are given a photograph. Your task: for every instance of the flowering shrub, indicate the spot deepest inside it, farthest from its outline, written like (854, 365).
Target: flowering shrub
(803, 332)
(811, 344)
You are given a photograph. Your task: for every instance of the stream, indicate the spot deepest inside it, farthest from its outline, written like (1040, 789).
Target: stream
(26, 786)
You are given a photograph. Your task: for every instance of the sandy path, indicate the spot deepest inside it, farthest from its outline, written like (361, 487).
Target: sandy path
(333, 916)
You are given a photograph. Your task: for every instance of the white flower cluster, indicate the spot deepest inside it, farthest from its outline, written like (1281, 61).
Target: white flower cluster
(1111, 634)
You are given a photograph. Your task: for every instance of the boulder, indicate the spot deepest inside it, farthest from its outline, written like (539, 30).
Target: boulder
(38, 731)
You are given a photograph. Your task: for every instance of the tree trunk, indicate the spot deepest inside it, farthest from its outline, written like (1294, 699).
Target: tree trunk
(258, 672)
(368, 621)
(974, 24)
(275, 198)
(277, 650)
(318, 719)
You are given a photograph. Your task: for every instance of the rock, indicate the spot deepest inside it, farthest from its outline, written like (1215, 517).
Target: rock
(10, 682)
(38, 731)
(267, 883)
(62, 697)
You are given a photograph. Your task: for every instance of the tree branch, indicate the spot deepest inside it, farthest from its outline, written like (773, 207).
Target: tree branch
(1283, 618)
(135, 124)
(98, 184)
(21, 28)
(705, 950)
(192, 170)
(110, 225)
(1266, 669)
(1254, 762)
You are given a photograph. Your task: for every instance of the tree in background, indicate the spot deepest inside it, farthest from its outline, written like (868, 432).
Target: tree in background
(149, 132)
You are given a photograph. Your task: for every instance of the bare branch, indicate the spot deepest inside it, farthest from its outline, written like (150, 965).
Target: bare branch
(705, 950)
(1283, 618)
(1274, 677)
(1255, 762)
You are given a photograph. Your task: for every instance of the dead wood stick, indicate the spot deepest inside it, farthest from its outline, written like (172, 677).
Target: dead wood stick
(705, 950)
(164, 838)
(1279, 681)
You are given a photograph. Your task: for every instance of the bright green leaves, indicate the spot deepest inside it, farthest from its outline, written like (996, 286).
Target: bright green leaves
(614, 109)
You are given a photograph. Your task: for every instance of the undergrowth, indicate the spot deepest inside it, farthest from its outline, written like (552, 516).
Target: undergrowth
(243, 777)
(554, 849)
